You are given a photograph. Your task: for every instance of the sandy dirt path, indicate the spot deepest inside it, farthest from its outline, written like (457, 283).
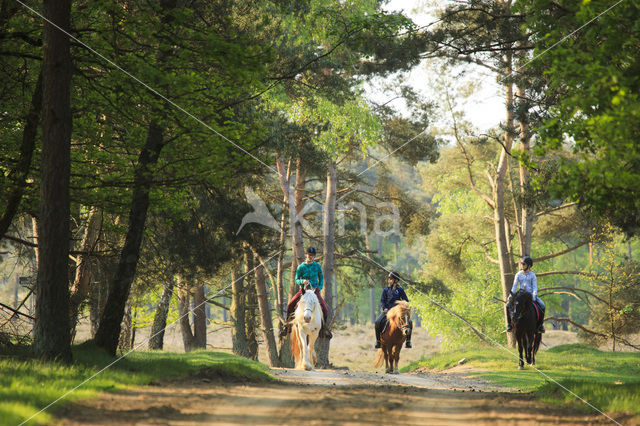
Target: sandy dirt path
(323, 397)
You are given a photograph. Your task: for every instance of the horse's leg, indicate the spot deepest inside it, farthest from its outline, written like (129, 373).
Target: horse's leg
(529, 348)
(312, 352)
(397, 356)
(386, 358)
(302, 338)
(520, 362)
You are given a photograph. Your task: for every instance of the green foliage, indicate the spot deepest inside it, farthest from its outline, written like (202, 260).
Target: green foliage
(616, 282)
(29, 385)
(608, 380)
(594, 76)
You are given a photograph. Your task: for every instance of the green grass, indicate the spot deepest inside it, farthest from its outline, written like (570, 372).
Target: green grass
(27, 385)
(609, 381)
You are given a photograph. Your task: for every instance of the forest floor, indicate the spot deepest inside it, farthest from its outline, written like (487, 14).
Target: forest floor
(353, 393)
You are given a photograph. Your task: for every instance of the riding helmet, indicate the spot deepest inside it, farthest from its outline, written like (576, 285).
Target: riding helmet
(394, 275)
(311, 250)
(528, 261)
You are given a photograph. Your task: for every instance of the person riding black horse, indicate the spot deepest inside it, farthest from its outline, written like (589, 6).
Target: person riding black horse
(390, 295)
(526, 280)
(308, 274)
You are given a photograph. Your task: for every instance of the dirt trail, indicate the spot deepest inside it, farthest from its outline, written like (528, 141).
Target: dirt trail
(326, 397)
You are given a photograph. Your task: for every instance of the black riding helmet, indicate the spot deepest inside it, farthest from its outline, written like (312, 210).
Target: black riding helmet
(311, 250)
(527, 260)
(394, 275)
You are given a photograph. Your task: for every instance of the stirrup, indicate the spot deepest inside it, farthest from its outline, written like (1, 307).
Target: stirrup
(541, 329)
(407, 344)
(509, 328)
(378, 344)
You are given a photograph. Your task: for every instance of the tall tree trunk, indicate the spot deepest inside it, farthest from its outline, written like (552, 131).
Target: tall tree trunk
(83, 268)
(505, 261)
(156, 341)
(124, 342)
(109, 329)
(52, 336)
(265, 315)
(18, 176)
(199, 316)
(297, 251)
(526, 208)
(238, 335)
(184, 299)
(329, 242)
(251, 304)
(280, 295)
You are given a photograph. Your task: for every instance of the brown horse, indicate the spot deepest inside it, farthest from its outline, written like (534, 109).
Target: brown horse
(394, 336)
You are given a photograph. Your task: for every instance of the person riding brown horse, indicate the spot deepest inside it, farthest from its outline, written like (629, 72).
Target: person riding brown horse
(390, 295)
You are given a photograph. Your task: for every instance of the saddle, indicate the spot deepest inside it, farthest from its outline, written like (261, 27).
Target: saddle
(384, 325)
(538, 315)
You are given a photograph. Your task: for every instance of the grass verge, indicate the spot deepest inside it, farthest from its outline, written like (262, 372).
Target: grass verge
(28, 385)
(609, 381)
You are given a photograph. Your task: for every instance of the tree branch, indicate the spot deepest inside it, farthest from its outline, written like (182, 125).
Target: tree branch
(584, 274)
(560, 253)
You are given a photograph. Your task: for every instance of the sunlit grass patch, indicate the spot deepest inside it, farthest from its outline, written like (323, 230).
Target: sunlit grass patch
(608, 380)
(28, 385)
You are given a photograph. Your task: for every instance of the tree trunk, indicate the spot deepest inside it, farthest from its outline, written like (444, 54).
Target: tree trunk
(238, 335)
(199, 317)
(52, 336)
(184, 298)
(83, 268)
(251, 304)
(499, 219)
(527, 216)
(124, 341)
(297, 252)
(265, 316)
(109, 329)
(18, 176)
(156, 341)
(280, 295)
(328, 230)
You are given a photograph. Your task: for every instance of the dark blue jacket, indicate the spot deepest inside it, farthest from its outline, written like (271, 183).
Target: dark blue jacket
(390, 297)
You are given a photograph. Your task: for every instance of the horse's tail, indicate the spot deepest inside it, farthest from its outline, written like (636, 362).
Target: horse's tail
(536, 342)
(379, 358)
(295, 343)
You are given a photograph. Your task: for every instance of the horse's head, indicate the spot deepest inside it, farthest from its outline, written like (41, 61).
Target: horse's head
(309, 302)
(521, 303)
(400, 314)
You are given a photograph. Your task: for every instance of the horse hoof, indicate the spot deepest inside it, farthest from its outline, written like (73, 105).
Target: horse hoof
(520, 367)
(396, 372)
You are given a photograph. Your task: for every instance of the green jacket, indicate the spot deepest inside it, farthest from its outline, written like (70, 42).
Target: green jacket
(312, 272)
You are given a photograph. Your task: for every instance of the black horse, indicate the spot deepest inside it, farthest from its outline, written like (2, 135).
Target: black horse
(525, 322)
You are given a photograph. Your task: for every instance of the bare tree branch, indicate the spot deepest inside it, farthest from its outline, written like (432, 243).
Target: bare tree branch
(560, 253)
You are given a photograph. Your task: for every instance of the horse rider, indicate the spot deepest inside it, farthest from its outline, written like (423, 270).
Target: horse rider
(526, 280)
(308, 274)
(390, 295)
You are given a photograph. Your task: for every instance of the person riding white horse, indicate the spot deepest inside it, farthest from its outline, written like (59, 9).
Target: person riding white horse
(307, 322)
(309, 273)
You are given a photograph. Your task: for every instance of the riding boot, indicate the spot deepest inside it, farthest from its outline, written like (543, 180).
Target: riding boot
(541, 325)
(378, 344)
(509, 325)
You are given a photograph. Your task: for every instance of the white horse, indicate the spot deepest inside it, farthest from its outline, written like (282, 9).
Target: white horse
(306, 326)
